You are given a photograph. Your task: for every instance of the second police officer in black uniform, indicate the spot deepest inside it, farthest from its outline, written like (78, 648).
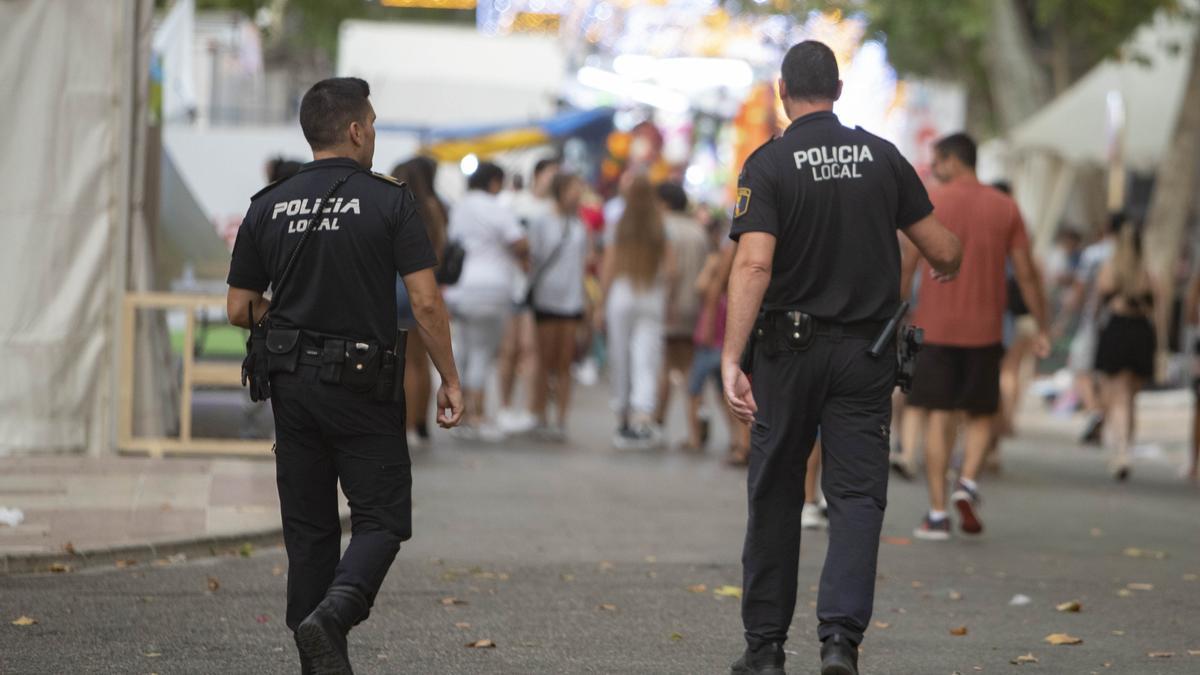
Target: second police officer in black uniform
(816, 221)
(330, 242)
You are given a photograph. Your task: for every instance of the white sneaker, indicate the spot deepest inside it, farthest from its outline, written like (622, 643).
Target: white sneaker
(586, 373)
(490, 433)
(512, 421)
(812, 517)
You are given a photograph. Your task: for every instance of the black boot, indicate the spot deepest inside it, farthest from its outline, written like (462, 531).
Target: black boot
(306, 666)
(839, 656)
(321, 637)
(762, 659)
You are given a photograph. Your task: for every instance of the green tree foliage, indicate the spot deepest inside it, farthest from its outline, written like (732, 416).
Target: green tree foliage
(951, 39)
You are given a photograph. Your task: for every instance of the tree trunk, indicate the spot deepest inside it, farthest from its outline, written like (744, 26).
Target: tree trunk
(1171, 203)
(1019, 85)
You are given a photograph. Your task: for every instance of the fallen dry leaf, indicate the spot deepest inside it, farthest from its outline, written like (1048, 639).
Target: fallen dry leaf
(462, 624)
(1160, 655)
(1143, 553)
(1140, 587)
(1024, 658)
(453, 601)
(481, 644)
(246, 550)
(882, 625)
(697, 588)
(1072, 606)
(958, 632)
(728, 591)
(24, 621)
(214, 584)
(607, 607)
(676, 637)
(897, 541)
(59, 568)
(1063, 639)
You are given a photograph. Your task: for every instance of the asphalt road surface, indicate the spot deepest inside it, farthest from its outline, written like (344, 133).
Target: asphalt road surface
(580, 559)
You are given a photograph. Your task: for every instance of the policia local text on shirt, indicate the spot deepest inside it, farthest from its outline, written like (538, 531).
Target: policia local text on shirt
(331, 362)
(816, 220)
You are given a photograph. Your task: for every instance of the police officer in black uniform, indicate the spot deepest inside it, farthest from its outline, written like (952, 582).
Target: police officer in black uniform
(329, 242)
(816, 221)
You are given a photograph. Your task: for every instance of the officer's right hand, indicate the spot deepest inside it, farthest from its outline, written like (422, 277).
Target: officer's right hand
(738, 394)
(450, 405)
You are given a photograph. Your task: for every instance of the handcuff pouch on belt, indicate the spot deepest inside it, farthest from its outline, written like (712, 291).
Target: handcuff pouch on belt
(785, 331)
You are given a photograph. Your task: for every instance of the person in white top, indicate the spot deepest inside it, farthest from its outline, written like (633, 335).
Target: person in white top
(519, 349)
(559, 246)
(481, 300)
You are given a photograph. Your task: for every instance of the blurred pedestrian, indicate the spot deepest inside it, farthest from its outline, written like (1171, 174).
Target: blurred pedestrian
(634, 277)
(559, 245)
(958, 371)
(418, 378)
(709, 337)
(519, 349)
(1085, 300)
(1125, 345)
(1193, 317)
(495, 245)
(690, 247)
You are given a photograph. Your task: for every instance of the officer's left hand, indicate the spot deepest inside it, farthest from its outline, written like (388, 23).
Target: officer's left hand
(738, 394)
(449, 406)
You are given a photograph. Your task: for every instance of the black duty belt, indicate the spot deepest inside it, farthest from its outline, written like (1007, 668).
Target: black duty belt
(791, 321)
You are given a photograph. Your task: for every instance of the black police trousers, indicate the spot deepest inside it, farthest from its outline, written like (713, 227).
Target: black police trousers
(837, 387)
(325, 434)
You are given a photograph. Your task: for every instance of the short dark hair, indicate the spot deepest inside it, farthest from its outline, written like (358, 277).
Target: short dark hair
(810, 72)
(486, 174)
(558, 186)
(329, 106)
(673, 195)
(958, 145)
(543, 164)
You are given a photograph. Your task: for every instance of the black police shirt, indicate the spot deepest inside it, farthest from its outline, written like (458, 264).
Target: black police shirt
(344, 280)
(833, 197)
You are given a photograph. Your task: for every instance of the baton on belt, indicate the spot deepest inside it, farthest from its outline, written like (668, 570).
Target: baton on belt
(889, 331)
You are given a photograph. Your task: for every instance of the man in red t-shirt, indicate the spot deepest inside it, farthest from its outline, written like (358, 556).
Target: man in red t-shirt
(958, 371)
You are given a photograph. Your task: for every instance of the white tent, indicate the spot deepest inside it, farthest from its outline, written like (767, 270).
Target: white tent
(1123, 110)
(1148, 83)
(70, 202)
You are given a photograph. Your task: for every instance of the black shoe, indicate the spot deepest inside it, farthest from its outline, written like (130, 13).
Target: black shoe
(306, 666)
(1093, 430)
(839, 656)
(422, 430)
(765, 659)
(321, 637)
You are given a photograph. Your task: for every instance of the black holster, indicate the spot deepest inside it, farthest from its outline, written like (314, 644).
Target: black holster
(255, 367)
(786, 331)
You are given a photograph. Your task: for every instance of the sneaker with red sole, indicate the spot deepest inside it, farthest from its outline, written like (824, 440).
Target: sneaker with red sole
(933, 530)
(967, 501)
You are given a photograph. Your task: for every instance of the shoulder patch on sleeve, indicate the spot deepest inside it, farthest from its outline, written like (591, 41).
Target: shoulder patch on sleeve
(743, 202)
(388, 179)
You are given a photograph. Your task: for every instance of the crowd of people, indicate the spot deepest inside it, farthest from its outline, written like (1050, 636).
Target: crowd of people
(556, 282)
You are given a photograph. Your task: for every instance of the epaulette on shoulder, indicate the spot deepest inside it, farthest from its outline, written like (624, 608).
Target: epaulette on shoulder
(389, 179)
(759, 149)
(269, 187)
